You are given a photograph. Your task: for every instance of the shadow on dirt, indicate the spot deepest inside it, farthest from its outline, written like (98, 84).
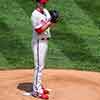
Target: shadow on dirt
(27, 87)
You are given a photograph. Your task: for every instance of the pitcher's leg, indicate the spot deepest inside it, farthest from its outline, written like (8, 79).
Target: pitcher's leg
(40, 49)
(37, 69)
(42, 55)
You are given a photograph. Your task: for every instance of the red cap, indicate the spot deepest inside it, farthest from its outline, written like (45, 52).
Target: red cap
(43, 1)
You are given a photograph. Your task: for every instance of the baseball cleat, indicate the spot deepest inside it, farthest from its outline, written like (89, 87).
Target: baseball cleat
(45, 91)
(44, 96)
(41, 96)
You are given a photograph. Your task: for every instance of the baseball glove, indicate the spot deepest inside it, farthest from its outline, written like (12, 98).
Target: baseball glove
(54, 16)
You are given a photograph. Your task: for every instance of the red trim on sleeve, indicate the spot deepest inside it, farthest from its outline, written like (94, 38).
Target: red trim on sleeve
(39, 30)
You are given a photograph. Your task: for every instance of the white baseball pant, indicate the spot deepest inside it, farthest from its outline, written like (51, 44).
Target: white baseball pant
(39, 48)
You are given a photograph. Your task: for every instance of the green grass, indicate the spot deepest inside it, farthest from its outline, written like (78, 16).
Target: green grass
(75, 42)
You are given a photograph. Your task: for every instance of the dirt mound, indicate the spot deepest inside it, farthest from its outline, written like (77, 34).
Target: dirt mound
(65, 84)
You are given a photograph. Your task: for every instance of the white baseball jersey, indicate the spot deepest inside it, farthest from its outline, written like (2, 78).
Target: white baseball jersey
(38, 20)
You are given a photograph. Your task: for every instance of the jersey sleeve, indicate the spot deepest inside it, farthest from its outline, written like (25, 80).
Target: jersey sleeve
(36, 22)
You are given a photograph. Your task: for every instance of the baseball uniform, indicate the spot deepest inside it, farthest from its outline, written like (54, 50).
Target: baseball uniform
(39, 46)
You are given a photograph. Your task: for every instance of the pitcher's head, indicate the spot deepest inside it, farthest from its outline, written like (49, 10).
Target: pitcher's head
(41, 4)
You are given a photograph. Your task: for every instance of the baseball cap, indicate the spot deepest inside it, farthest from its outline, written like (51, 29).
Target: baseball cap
(42, 1)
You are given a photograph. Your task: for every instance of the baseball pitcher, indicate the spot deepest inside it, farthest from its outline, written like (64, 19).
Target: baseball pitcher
(42, 19)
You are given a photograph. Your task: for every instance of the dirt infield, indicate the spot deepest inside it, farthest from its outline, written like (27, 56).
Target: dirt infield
(65, 84)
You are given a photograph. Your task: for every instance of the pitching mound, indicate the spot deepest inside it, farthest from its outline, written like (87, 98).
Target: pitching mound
(65, 84)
